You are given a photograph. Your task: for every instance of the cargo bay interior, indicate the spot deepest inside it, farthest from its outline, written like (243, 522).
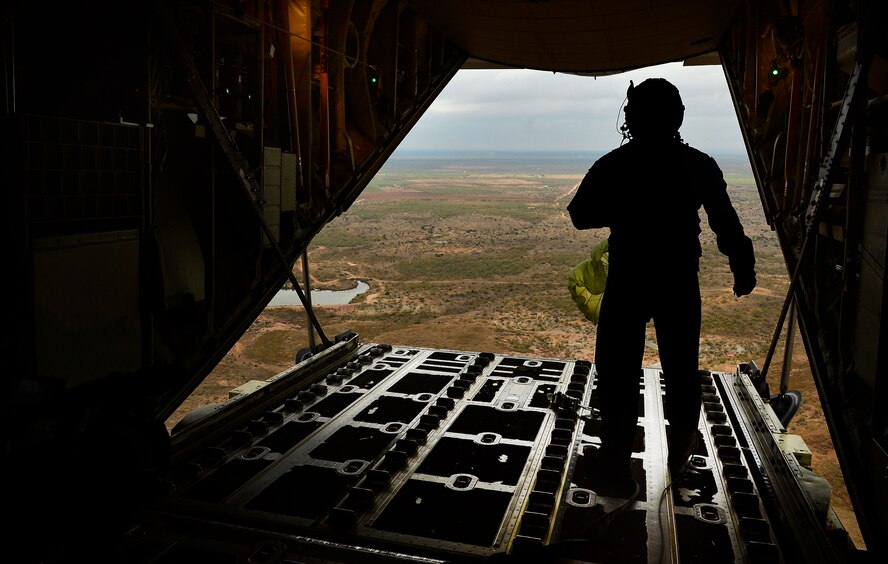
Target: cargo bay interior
(165, 165)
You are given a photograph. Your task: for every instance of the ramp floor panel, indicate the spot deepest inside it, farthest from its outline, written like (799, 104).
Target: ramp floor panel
(426, 455)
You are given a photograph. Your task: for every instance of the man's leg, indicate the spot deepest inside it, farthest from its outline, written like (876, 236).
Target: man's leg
(618, 355)
(677, 321)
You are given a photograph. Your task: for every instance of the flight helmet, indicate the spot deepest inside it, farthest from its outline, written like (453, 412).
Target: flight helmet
(653, 109)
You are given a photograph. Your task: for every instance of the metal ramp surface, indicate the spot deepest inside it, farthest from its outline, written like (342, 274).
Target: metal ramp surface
(414, 454)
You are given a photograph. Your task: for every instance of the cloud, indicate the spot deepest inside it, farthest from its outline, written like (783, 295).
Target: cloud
(537, 110)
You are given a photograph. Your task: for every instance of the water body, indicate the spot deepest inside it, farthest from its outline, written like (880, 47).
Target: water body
(287, 297)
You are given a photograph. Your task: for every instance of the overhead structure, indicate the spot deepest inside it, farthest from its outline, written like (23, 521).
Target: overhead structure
(574, 36)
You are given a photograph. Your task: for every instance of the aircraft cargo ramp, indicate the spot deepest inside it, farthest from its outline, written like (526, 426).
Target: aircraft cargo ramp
(380, 453)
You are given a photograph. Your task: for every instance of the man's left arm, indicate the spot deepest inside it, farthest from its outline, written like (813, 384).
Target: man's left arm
(730, 237)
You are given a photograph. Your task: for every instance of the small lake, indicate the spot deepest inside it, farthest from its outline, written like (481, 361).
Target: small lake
(287, 297)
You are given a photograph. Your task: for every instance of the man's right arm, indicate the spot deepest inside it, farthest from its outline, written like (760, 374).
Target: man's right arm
(589, 207)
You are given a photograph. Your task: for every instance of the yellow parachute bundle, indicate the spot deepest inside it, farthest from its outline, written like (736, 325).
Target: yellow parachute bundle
(587, 280)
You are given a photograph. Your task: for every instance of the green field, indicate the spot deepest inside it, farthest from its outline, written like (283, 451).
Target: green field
(485, 241)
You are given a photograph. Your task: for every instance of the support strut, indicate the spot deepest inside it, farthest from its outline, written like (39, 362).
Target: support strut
(239, 164)
(825, 181)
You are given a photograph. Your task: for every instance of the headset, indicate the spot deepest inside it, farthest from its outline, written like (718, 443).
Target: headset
(662, 88)
(624, 129)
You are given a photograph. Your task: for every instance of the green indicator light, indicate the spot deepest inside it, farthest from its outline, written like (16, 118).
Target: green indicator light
(373, 80)
(775, 72)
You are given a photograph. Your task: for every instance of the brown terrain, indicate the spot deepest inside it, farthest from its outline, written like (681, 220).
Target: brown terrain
(473, 255)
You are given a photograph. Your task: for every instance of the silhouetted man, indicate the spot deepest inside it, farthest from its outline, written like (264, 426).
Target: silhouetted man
(648, 192)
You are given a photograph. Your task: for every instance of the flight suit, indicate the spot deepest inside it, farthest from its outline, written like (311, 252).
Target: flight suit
(649, 193)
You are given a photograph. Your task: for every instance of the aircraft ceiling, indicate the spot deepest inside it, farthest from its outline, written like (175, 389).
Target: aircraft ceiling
(580, 36)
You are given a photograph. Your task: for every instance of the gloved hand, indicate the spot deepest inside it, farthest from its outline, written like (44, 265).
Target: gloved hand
(744, 283)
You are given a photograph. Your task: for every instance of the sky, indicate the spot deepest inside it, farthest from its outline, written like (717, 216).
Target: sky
(525, 110)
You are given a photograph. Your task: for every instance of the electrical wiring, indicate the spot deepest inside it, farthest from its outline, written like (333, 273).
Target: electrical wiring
(345, 56)
(660, 518)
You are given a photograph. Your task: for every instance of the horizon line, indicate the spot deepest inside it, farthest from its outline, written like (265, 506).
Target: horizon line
(551, 151)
